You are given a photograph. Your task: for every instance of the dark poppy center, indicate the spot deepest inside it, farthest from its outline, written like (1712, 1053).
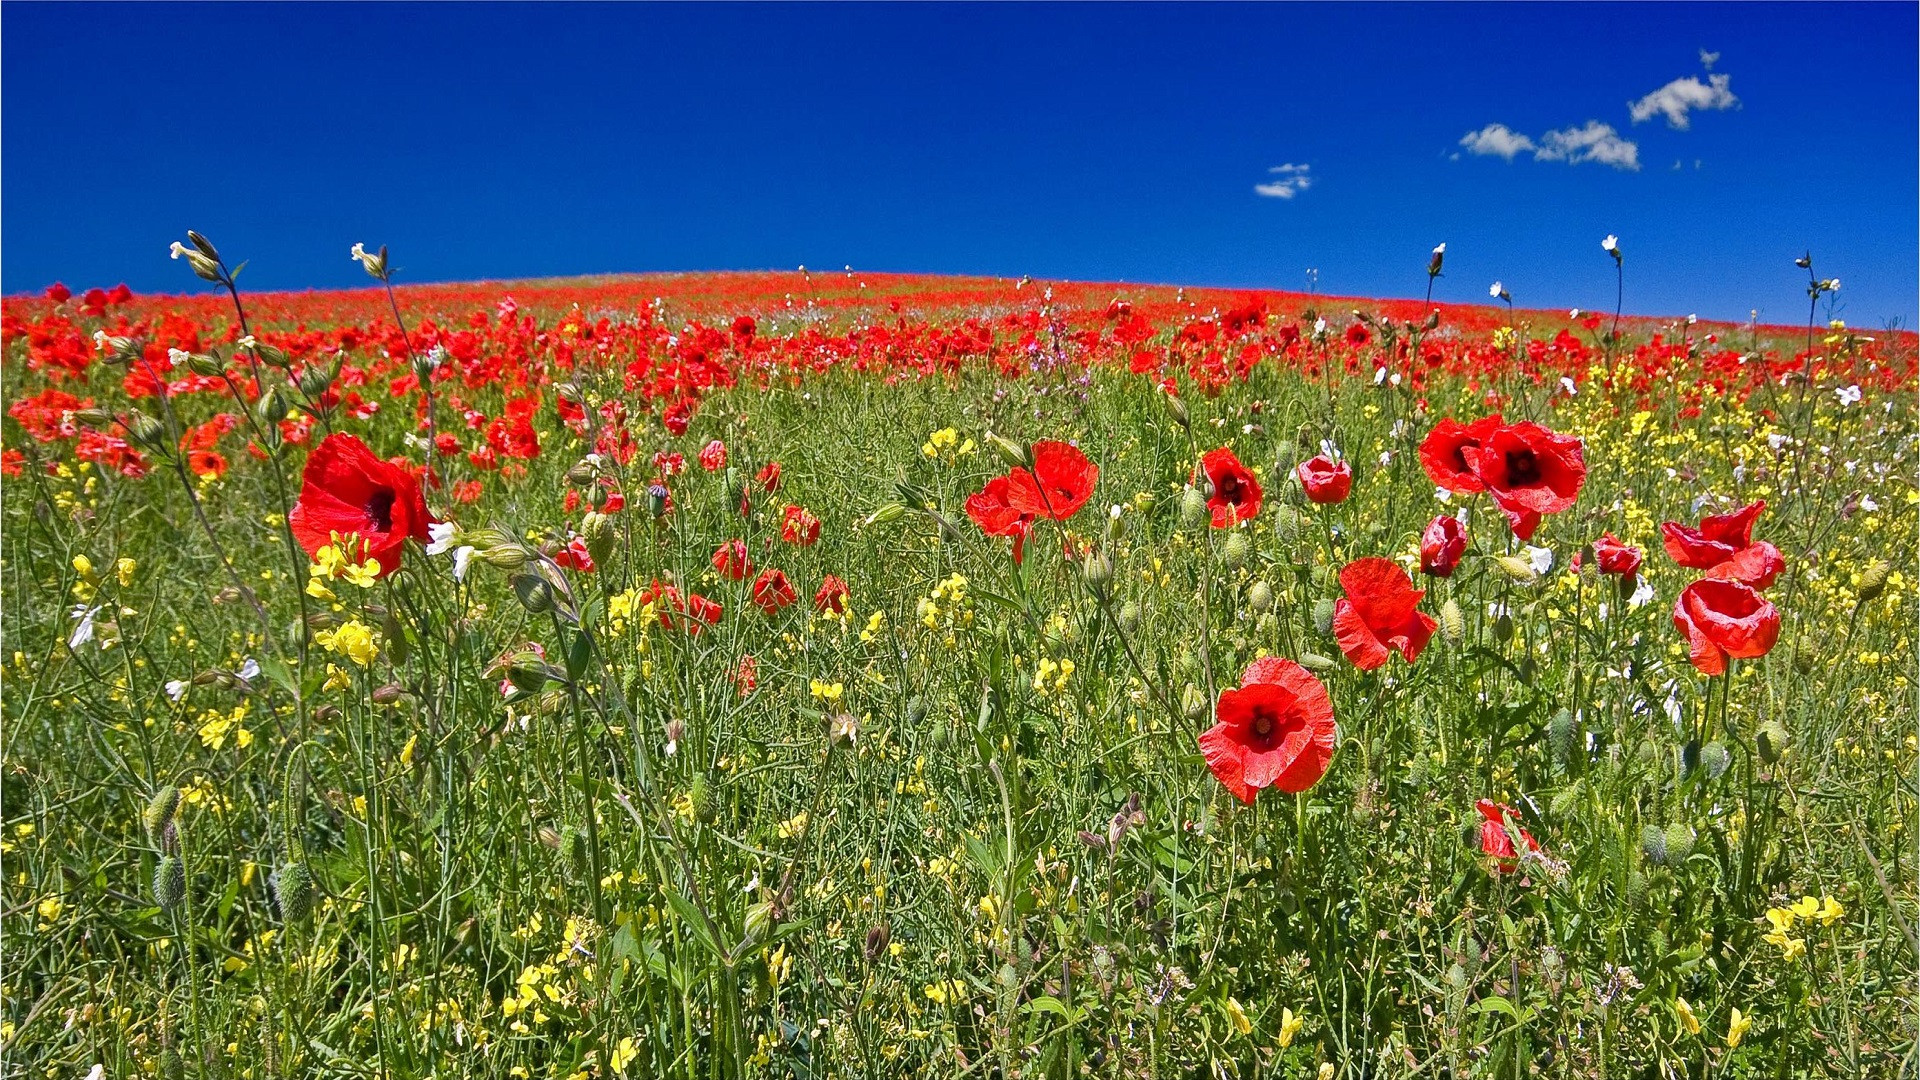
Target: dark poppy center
(1228, 488)
(1522, 467)
(380, 510)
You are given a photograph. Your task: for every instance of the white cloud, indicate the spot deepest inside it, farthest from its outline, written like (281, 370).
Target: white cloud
(1496, 140)
(1708, 59)
(1593, 141)
(1289, 180)
(1681, 96)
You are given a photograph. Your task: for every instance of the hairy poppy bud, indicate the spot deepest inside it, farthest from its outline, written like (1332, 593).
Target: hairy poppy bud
(1235, 551)
(1288, 524)
(573, 845)
(1772, 741)
(1516, 569)
(1873, 580)
(293, 890)
(1193, 507)
(1653, 844)
(706, 808)
(1636, 888)
(1259, 597)
(1563, 736)
(160, 811)
(1715, 759)
(1285, 456)
(1503, 628)
(1129, 616)
(1323, 615)
(169, 882)
(1453, 625)
(1679, 842)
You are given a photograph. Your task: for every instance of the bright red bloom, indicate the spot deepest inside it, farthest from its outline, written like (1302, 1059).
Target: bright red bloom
(768, 477)
(1004, 508)
(713, 456)
(1614, 557)
(1442, 546)
(1275, 730)
(1724, 619)
(1529, 471)
(1235, 494)
(1443, 452)
(677, 416)
(1379, 613)
(1720, 537)
(833, 596)
(1496, 840)
(699, 610)
(575, 556)
(798, 526)
(1065, 479)
(1325, 480)
(772, 591)
(1757, 565)
(347, 490)
(59, 293)
(206, 463)
(731, 560)
(669, 463)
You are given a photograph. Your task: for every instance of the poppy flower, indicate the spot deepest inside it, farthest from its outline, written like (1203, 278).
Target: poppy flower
(207, 463)
(1004, 508)
(772, 591)
(1496, 840)
(713, 456)
(1724, 619)
(768, 477)
(1614, 557)
(1325, 480)
(798, 526)
(1275, 730)
(1065, 479)
(1443, 453)
(832, 597)
(1442, 546)
(1379, 614)
(59, 293)
(1757, 565)
(575, 556)
(1529, 471)
(1236, 494)
(731, 560)
(1723, 546)
(345, 489)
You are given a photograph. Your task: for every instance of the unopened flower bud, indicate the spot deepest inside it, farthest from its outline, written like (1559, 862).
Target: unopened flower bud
(1453, 625)
(706, 808)
(391, 693)
(271, 408)
(203, 267)
(582, 473)
(1259, 597)
(533, 592)
(505, 557)
(1516, 569)
(1323, 615)
(1014, 454)
(160, 811)
(1097, 570)
(1193, 507)
(1772, 741)
(1237, 549)
(597, 529)
(1178, 410)
(1315, 662)
(1873, 580)
(169, 882)
(205, 365)
(315, 382)
(203, 245)
(293, 891)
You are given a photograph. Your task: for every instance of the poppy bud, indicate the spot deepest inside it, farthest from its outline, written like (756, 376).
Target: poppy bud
(169, 882)
(1193, 507)
(1288, 524)
(1873, 580)
(1129, 616)
(1453, 625)
(1097, 570)
(293, 890)
(1516, 569)
(315, 382)
(205, 365)
(533, 592)
(1636, 888)
(1503, 628)
(1285, 457)
(657, 500)
(877, 941)
(271, 408)
(1013, 454)
(1563, 735)
(1235, 551)
(573, 847)
(1193, 702)
(1323, 615)
(1715, 759)
(1316, 662)
(203, 245)
(1772, 741)
(705, 807)
(1653, 844)
(1679, 842)
(1259, 597)
(160, 811)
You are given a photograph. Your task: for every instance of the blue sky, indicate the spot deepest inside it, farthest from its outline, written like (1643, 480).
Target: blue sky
(1073, 141)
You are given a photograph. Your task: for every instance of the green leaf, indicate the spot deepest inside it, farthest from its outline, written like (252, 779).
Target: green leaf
(690, 915)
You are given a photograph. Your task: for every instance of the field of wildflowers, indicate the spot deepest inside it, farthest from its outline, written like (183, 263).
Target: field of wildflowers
(825, 674)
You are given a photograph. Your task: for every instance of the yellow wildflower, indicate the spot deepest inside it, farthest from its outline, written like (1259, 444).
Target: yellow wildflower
(1289, 1027)
(1239, 1017)
(1687, 1019)
(1737, 1027)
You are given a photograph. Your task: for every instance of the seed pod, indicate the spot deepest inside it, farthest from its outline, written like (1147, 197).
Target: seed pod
(1193, 507)
(1259, 597)
(528, 676)
(1653, 844)
(147, 433)
(877, 939)
(204, 268)
(1873, 580)
(706, 807)
(1453, 625)
(1315, 662)
(1236, 550)
(1636, 888)
(533, 593)
(1563, 736)
(598, 531)
(582, 473)
(160, 811)
(1323, 615)
(293, 891)
(1194, 702)
(1287, 524)
(206, 366)
(1516, 569)
(1097, 570)
(315, 382)
(1680, 838)
(1178, 410)
(1129, 616)
(657, 500)
(271, 408)
(1773, 741)
(1715, 759)
(573, 846)
(169, 882)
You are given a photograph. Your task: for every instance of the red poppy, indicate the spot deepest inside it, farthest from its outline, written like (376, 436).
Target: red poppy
(1003, 508)
(1236, 493)
(669, 463)
(731, 560)
(1325, 480)
(1275, 730)
(1724, 619)
(59, 293)
(832, 597)
(798, 526)
(1497, 840)
(746, 674)
(1614, 557)
(1529, 471)
(347, 490)
(1442, 546)
(207, 463)
(1442, 452)
(772, 591)
(1757, 565)
(575, 556)
(1379, 614)
(1065, 476)
(768, 477)
(1720, 537)
(713, 456)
